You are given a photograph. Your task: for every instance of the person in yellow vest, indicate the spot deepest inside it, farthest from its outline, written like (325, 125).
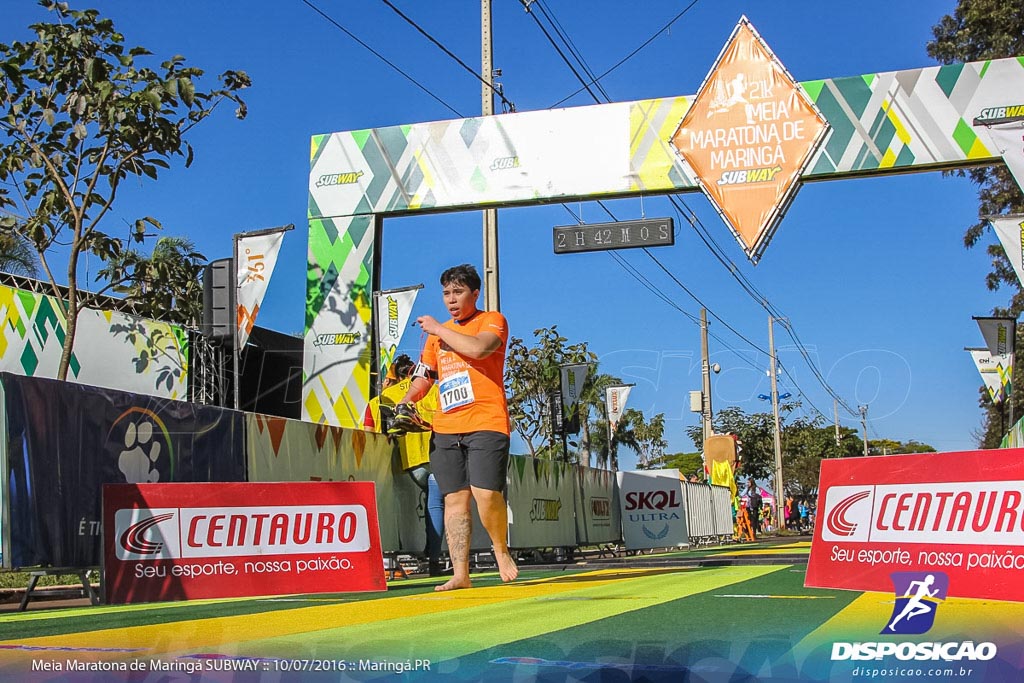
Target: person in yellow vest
(413, 448)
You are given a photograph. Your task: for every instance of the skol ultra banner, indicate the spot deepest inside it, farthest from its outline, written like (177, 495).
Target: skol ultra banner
(961, 514)
(65, 441)
(187, 541)
(653, 509)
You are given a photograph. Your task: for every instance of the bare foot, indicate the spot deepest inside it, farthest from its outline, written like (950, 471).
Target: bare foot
(506, 566)
(454, 583)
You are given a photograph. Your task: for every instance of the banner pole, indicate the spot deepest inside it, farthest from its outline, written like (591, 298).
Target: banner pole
(234, 335)
(1013, 361)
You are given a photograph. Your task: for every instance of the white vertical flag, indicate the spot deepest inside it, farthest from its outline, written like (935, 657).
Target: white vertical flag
(615, 400)
(1009, 139)
(573, 377)
(999, 334)
(255, 258)
(393, 308)
(988, 367)
(1010, 230)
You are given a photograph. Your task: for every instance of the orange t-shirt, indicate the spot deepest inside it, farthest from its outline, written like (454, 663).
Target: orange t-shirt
(471, 392)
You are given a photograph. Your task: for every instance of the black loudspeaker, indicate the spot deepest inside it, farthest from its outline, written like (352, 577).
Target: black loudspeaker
(219, 307)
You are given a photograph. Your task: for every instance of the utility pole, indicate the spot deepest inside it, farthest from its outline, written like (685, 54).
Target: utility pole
(705, 368)
(835, 412)
(864, 426)
(779, 489)
(492, 298)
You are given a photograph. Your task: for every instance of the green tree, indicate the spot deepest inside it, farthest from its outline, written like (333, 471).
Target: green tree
(623, 435)
(592, 402)
(166, 285)
(978, 30)
(16, 255)
(80, 114)
(805, 443)
(756, 433)
(650, 436)
(532, 377)
(688, 464)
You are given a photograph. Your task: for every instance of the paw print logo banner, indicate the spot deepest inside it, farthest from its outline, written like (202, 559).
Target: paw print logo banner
(72, 439)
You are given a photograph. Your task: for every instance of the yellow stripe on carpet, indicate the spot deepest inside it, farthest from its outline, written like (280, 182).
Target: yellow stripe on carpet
(485, 616)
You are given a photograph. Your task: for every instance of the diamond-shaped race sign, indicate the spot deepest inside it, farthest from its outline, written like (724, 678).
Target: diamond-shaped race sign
(748, 136)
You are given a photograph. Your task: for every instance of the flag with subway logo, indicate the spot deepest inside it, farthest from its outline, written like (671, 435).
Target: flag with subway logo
(392, 309)
(1009, 140)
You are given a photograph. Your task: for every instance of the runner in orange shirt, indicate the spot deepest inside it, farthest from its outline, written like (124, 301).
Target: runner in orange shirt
(470, 444)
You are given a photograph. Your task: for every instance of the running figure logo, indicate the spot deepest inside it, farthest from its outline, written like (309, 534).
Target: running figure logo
(918, 595)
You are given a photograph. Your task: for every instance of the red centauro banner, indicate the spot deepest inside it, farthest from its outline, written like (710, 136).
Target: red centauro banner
(216, 540)
(957, 513)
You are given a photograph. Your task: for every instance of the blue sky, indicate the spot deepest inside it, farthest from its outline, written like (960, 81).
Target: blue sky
(871, 272)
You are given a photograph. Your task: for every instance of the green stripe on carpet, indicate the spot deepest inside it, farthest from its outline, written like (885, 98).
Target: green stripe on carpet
(674, 639)
(463, 622)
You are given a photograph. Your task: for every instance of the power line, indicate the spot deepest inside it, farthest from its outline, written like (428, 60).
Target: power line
(654, 289)
(629, 56)
(381, 57)
(550, 15)
(451, 54)
(692, 218)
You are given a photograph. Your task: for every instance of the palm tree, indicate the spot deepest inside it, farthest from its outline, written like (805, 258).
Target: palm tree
(16, 255)
(592, 401)
(624, 435)
(166, 285)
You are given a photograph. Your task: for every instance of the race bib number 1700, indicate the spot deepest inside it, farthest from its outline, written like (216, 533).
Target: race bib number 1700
(456, 391)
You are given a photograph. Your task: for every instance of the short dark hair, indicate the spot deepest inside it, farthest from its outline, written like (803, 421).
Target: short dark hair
(403, 366)
(461, 275)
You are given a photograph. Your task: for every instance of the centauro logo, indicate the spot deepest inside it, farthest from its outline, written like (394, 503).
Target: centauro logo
(133, 539)
(836, 521)
(347, 178)
(752, 175)
(338, 339)
(173, 533)
(1002, 112)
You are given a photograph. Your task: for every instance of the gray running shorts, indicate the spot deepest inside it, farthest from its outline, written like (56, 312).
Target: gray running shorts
(478, 459)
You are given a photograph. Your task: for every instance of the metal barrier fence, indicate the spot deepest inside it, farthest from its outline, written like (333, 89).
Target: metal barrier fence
(63, 441)
(708, 512)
